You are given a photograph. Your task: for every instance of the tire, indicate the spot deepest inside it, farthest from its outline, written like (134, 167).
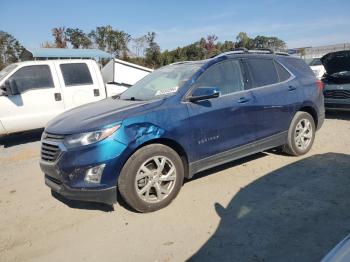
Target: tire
(151, 178)
(301, 134)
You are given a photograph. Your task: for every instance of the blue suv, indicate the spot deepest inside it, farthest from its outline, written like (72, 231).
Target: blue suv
(179, 120)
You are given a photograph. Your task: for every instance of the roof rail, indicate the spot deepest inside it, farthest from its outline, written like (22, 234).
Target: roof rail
(233, 51)
(252, 51)
(281, 53)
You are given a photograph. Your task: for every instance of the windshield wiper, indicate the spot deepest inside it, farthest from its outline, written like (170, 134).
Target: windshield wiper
(132, 99)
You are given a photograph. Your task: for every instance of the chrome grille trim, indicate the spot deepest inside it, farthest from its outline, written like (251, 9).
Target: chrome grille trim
(50, 150)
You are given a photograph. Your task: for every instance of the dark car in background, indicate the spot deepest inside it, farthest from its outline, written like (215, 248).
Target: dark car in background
(337, 80)
(179, 120)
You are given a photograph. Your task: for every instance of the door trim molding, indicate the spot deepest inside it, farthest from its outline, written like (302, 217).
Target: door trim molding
(236, 153)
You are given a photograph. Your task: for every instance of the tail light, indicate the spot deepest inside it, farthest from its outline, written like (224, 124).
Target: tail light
(320, 85)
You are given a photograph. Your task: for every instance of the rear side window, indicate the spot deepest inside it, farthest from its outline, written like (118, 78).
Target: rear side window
(262, 71)
(226, 76)
(32, 77)
(76, 74)
(282, 72)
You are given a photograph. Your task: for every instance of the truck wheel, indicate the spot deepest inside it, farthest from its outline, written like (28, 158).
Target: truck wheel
(151, 178)
(301, 134)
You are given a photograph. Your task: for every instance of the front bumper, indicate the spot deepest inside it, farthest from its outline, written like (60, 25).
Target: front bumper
(106, 195)
(65, 174)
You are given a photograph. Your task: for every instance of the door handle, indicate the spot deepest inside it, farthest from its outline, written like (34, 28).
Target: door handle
(58, 97)
(291, 88)
(96, 92)
(243, 100)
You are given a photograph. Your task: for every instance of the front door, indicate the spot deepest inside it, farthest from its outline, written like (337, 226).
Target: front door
(38, 102)
(223, 123)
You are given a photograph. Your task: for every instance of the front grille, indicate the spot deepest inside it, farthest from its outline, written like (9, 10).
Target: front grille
(50, 151)
(52, 137)
(337, 94)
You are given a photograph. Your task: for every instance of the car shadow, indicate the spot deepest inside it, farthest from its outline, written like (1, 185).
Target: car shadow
(342, 115)
(108, 208)
(76, 204)
(21, 138)
(296, 213)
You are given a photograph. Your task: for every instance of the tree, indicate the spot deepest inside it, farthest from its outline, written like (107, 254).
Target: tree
(110, 40)
(153, 54)
(273, 43)
(10, 49)
(210, 44)
(78, 38)
(47, 44)
(139, 45)
(59, 33)
(243, 40)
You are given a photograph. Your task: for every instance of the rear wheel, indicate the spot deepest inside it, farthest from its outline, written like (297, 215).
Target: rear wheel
(151, 178)
(301, 134)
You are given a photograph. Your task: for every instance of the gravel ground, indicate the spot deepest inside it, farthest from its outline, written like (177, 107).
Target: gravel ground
(267, 207)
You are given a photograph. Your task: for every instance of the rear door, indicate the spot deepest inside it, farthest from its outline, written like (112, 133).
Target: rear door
(226, 122)
(274, 91)
(38, 101)
(80, 84)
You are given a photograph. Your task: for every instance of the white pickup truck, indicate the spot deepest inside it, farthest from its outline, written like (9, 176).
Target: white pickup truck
(33, 92)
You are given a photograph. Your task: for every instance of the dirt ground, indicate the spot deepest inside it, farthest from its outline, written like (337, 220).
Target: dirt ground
(267, 207)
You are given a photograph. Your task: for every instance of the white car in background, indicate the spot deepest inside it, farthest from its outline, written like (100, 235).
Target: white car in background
(317, 67)
(34, 92)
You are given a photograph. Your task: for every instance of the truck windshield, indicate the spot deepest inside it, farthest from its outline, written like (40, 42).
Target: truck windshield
(6, 71)
(163, 82)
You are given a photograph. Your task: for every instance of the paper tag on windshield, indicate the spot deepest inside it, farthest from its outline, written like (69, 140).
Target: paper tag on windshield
(167, 91)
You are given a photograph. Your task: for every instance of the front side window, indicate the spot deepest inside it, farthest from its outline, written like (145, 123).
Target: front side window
(76, 74)
(262, 71)
(32, 77)
(162, 83)
(225, 75)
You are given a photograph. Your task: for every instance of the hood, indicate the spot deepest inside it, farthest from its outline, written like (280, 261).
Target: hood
(336, 62)
(96, 115)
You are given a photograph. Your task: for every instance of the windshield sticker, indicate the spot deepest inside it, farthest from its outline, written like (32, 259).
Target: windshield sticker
(170, 90)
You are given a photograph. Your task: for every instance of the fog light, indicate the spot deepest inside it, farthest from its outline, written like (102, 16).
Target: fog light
(93, 175)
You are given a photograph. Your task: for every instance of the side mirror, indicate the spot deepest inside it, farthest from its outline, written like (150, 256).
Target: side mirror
(10, 88)
(204, 93)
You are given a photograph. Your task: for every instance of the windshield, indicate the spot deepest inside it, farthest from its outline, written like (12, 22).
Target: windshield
(163, 82)
(6, 71)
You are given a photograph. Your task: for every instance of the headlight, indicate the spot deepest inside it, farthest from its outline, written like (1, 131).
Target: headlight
(89, 138)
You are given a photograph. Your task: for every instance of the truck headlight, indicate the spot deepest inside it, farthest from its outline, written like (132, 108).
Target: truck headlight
(89, 138)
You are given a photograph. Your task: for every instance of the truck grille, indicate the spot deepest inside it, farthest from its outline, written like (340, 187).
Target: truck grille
(337, 94)
(50, 151)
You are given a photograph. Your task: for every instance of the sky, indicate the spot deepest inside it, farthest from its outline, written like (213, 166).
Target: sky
(299, 23)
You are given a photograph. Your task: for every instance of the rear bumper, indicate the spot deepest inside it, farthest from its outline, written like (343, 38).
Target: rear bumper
(106, 195)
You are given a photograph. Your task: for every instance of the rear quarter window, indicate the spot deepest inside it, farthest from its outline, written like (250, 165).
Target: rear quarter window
(282, 72)
(299, 66)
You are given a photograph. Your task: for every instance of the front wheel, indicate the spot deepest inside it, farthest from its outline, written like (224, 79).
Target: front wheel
(301, 134)
(151, 178)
